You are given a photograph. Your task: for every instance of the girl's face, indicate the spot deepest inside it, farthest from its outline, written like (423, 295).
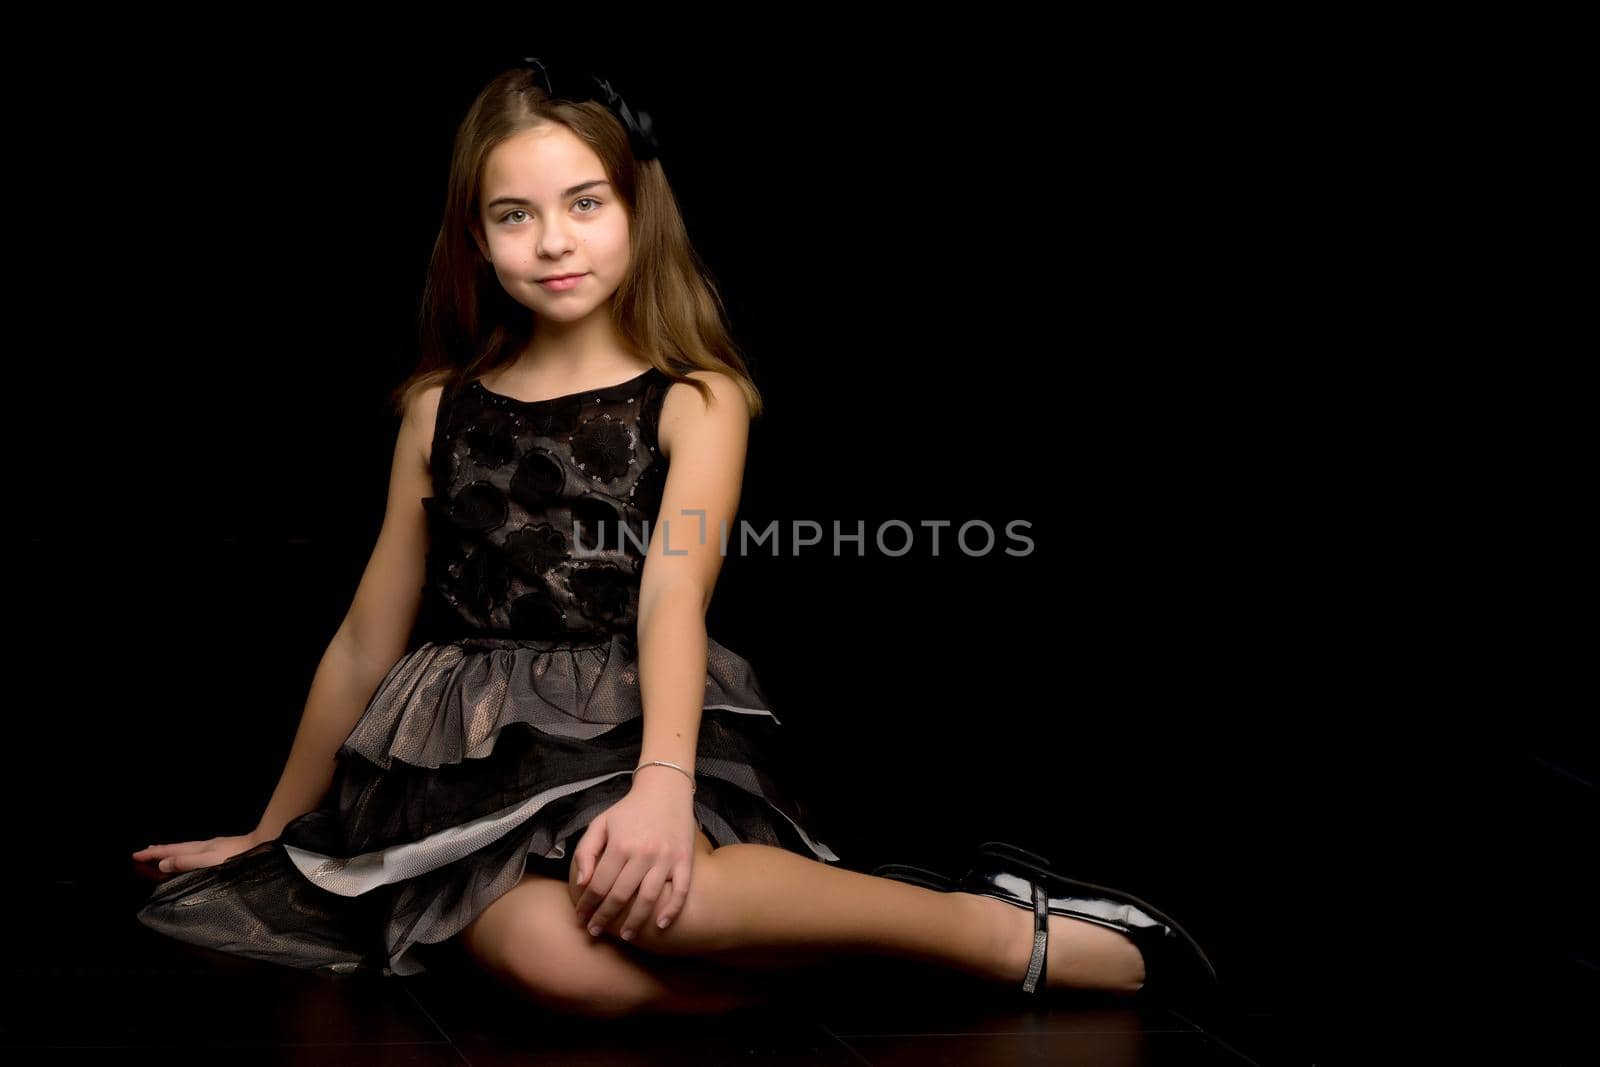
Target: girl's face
(547, 210)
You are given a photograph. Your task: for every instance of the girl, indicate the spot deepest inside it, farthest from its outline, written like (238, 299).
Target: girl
(568, 778)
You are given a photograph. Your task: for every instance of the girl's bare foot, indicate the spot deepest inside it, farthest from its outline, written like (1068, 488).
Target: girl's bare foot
(1081, 954)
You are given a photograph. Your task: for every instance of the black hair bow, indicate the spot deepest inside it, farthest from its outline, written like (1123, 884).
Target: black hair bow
(577, 87)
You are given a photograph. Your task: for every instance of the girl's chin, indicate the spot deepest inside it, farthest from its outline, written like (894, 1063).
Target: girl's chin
(560, 311)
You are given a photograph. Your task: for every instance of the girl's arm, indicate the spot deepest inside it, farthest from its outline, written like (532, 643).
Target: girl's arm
(374, 632)
(705, 447)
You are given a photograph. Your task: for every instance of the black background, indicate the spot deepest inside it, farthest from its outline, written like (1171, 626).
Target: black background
(1109, 288)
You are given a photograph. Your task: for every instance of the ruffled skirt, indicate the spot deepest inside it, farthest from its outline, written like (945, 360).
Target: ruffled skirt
(474, 759)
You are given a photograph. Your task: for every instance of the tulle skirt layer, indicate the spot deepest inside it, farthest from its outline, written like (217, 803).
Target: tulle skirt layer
(475, 760)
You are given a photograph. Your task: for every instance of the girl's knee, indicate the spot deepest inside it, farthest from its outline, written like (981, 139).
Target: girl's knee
(530, 939)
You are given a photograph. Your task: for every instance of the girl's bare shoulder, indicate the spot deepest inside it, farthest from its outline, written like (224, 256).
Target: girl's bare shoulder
(684, 403)
(421, 416)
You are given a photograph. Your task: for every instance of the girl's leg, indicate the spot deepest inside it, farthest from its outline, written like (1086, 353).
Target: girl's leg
(530, 938)
(751, 905)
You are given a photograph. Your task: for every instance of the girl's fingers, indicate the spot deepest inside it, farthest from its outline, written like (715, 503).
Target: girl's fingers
(187, 861)
(644, 901)
(679, 885)
(153, 851)
(175, 857)
(618, 898)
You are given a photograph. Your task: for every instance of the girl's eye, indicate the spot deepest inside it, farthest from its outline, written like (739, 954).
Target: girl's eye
(518, 211)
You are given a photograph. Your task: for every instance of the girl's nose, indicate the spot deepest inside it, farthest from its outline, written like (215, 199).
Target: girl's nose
(554, 242)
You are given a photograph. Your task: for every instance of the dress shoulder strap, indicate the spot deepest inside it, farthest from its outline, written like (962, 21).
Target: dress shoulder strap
(441, 425)
(651, 397)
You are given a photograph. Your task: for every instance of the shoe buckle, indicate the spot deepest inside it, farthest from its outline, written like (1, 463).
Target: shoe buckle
(1041, 938)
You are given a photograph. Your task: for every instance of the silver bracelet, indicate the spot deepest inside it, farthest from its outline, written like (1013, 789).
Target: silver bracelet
(664, 763)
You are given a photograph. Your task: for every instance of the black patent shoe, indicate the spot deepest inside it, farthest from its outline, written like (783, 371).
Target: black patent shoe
(904, 872)
(1175, 965)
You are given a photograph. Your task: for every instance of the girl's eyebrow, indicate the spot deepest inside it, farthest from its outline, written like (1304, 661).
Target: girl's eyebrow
(497, 201)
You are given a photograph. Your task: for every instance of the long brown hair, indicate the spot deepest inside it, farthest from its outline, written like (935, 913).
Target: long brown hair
(667, 309)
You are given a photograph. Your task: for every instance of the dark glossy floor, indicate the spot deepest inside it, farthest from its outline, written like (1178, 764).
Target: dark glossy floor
(96, 987)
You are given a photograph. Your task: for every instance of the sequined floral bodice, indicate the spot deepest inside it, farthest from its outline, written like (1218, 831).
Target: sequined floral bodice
(542, 510)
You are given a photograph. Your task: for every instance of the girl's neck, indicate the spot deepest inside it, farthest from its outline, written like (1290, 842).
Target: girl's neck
(573, 351)
(559, 372)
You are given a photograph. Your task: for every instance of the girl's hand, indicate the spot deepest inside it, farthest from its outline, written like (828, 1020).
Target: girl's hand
(187, 855)
(632, 849)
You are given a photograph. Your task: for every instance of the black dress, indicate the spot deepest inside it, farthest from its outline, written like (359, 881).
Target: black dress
(488, 748)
